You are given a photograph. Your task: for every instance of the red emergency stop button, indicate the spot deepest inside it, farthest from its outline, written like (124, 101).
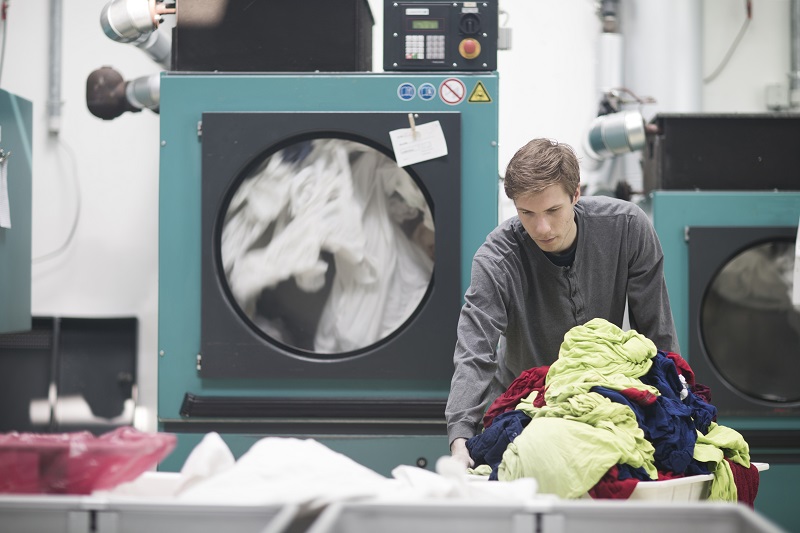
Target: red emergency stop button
(469, 48)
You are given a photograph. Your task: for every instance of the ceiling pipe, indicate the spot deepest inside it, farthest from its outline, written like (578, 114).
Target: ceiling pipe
(136, 22)
(794, 72)
(599, 165)
(54, 91)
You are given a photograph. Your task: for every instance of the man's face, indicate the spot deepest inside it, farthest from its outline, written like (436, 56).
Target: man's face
(548, 218)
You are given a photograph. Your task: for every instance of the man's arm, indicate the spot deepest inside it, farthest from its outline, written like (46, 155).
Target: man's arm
(483, 319)
(648, 301)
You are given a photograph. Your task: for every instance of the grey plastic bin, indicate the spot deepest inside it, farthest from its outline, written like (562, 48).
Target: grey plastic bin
(85, 514)
(547, 517)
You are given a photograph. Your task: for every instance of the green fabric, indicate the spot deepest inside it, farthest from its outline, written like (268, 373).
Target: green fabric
(572, 441)
(599, 434)
(566, 457)
(599, 354)
(712, 448)
(598, 411)
(480, 470)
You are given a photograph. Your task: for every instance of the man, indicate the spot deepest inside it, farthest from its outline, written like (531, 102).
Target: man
(562, 261)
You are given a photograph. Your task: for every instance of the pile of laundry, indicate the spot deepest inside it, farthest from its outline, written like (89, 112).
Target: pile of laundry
(611, 412)
(309, 476)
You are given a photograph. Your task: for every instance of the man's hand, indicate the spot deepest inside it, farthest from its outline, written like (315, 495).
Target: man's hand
(458, 450)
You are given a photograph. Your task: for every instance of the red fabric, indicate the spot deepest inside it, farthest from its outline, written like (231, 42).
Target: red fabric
(683, 367)
(704, 393)
(664, 475)
(610, 487)
(640, 397)
(527, 382)
(699, 390)
(746, 480)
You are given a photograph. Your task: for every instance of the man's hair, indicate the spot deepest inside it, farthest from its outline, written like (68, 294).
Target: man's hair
(539, 164)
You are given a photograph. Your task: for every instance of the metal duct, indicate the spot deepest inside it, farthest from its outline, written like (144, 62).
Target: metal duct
(794, 72)
(54, 93)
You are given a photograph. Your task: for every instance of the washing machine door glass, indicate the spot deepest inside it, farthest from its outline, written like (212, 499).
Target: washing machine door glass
(327, 246)
(750, 327)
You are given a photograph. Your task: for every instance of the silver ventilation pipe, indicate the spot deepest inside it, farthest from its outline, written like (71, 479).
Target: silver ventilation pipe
(136, 22)
(794, 72)
(54, 92)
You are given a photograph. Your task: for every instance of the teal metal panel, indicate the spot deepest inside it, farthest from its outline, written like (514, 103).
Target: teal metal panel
(15, 242)
(674, 211)
(184, 97)
(778, 492)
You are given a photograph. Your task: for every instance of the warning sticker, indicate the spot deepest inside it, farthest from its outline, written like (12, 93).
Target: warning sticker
(452, 91)
(479, 94)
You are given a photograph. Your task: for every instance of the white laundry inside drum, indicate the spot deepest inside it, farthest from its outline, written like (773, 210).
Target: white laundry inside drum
(327, 246)
(749, 325)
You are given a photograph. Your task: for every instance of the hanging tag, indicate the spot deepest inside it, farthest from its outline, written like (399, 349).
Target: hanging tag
(418, 143)
(796, 276)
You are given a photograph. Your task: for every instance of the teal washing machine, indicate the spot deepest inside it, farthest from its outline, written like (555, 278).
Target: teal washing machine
(309, 286)
(729, 260)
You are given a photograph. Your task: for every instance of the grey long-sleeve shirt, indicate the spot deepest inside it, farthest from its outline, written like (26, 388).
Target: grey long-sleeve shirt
(519, 304)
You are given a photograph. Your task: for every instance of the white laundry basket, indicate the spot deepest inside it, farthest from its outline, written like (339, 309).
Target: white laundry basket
(684, 489)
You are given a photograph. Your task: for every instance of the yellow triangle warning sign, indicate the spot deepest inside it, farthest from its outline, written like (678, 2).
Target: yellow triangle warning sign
(479, 94)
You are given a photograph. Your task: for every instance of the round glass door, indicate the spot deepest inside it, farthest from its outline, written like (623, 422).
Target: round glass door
(327, 246)
(749, 326)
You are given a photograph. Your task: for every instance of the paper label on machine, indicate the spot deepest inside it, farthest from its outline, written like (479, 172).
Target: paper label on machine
(419, 143)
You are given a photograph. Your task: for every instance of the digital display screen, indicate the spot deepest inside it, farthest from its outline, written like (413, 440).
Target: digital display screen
(425, 24)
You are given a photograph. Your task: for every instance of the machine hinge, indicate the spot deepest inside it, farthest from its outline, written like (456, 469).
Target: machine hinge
(199, 128)
(686, 233)
(199, 362)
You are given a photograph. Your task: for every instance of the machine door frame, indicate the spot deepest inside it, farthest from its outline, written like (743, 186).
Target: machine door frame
(710, 248)
(423, 346)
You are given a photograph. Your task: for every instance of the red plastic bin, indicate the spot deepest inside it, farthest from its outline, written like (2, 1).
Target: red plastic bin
(77, 463)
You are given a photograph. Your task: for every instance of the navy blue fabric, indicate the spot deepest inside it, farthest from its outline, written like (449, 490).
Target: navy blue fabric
(627, 471)
(701, 412)
(669, 423)
(488, 447)
(664, 376)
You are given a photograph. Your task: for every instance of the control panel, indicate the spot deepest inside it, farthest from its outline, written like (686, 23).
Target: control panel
(436, 36)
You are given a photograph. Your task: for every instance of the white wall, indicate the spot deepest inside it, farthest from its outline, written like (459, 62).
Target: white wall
(547, 79)
(762, 57)
(547, 88)
(111, 267)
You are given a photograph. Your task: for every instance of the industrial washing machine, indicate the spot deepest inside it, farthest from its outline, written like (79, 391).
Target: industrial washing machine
(309, 286)
(729, 252)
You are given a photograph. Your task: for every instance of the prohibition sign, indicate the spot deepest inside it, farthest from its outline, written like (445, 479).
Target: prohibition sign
(452, 91)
